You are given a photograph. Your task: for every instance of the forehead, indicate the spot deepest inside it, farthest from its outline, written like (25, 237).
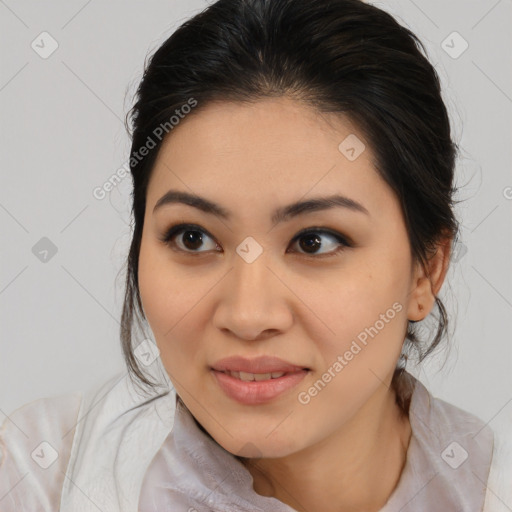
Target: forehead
(275, 150)
(278, 126)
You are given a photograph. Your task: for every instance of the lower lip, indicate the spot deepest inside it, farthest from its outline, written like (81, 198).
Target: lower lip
(257, 392)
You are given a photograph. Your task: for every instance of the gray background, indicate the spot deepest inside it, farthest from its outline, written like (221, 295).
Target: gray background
(62, 135)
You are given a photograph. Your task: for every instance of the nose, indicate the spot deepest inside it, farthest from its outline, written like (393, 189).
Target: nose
(253, 302)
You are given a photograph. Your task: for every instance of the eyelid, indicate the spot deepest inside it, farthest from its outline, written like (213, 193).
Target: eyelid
(326, 231)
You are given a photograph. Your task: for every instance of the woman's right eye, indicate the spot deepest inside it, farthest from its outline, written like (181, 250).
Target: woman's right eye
(187, 238)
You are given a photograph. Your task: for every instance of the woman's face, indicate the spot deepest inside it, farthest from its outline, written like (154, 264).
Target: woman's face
(244, 286)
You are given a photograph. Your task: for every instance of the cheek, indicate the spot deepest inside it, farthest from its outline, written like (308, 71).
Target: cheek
(358, 352)
(154, 287)
(171, 300)
(164, 291)
(364, 312)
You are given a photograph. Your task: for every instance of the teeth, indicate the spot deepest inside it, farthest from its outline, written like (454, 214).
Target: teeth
(248, 377)
(262, 376)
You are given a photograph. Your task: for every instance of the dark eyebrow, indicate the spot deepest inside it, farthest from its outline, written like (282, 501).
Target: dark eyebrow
(280, 215)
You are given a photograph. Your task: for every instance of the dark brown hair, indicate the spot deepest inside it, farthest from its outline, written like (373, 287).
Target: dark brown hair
(341, 56)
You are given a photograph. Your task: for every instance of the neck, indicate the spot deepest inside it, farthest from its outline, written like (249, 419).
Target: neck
(355, 469)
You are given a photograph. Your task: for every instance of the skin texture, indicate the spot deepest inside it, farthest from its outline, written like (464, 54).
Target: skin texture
(345, 449)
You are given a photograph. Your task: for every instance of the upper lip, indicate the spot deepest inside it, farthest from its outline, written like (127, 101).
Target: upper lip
(261, 364)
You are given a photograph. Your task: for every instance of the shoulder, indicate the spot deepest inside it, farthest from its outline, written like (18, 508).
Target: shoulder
(108, 409)
(35, 444)
(487, 474)
(120, 429)
(498, 433)
(499, 484)
(56, 452)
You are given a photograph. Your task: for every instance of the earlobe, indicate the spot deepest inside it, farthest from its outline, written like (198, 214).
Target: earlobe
(420, 313)
(427, 284)
(422, 299)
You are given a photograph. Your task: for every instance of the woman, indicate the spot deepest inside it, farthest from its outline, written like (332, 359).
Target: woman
(293, 177)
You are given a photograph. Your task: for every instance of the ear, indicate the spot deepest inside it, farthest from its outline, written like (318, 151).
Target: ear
(427, 283)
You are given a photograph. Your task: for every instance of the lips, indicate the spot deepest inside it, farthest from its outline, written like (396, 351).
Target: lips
(258, 380)
(258, 365)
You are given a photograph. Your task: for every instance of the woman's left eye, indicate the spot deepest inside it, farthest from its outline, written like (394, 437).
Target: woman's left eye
(310, 241)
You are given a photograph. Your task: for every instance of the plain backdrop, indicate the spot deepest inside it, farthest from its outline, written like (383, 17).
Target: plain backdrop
(62, 135)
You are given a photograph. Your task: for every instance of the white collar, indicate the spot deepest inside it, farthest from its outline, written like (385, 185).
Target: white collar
(192, 470)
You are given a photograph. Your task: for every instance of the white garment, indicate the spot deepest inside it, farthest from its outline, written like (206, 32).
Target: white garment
(121, 452)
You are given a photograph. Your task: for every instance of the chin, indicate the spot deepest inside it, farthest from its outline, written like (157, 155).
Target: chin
(255, 445)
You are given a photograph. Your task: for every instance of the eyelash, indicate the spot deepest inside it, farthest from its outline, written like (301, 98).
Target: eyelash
(177, 229)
